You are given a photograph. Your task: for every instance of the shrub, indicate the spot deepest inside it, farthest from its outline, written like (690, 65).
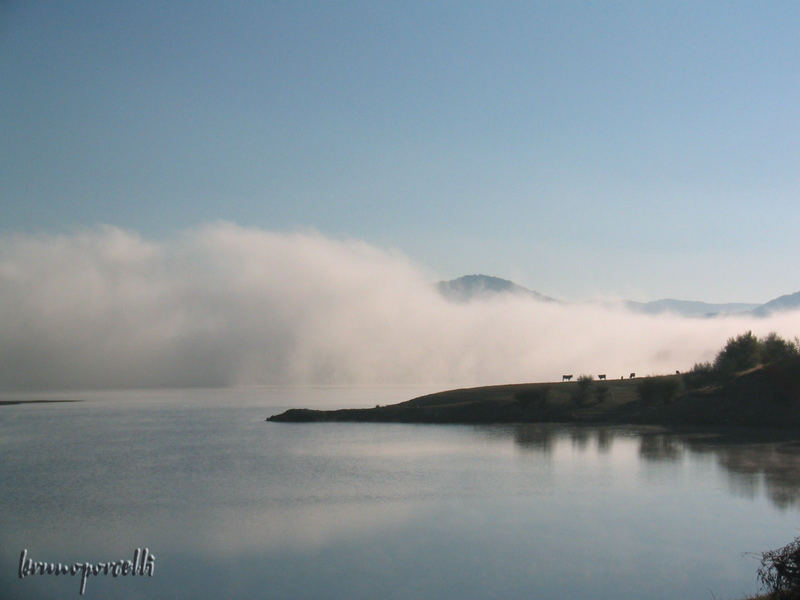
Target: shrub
(780, 570)
(702, 374)
(654, 390)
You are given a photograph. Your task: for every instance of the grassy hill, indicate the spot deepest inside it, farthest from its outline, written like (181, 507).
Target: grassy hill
(764, 396)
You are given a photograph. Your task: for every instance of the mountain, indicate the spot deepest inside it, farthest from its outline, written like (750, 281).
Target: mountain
(688, 308)
(483, 287)
(787, 302)
(702, 309)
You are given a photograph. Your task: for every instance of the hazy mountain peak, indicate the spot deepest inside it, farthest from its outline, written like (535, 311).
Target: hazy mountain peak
(688, 308)
(786, 302)
(481, 287)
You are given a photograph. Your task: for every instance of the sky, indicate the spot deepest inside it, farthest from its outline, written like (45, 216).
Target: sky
(209, 193)
(641, 150)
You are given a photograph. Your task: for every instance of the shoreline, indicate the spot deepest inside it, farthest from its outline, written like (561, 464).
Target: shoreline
(763, 397)
(11, 402)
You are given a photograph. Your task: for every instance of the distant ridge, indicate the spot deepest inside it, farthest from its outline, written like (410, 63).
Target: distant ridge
(688, 308)
(482, 287)
(782, 303)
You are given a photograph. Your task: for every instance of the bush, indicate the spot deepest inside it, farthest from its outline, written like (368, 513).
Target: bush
(780, 570)
(702, 374)
(658, 390)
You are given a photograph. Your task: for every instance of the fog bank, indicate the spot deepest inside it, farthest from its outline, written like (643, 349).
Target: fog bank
(225, 305)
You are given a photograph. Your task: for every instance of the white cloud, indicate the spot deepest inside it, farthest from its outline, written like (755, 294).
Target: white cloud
(224, 305)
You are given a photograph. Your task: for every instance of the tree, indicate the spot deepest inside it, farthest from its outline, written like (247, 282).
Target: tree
(740, 353)
(774, 348)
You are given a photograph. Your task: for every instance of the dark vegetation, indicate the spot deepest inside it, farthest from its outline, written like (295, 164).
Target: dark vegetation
(780, 571)
(12, 402)
(701, 375)
(532, 398)
(583, 391)
(741, 353)
(658, 390)
(752, 382)
(600, 393)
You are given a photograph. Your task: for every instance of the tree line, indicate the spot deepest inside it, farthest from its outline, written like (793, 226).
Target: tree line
(740, 353)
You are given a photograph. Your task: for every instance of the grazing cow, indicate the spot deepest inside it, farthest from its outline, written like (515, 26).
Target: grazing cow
(632, 375)
(566, 377)
(603, 376)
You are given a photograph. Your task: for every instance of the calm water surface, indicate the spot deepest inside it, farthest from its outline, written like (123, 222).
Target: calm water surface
(235, 507)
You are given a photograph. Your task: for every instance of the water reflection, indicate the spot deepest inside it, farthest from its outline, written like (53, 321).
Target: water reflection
(749, 459)
(543, 437)
(536, 438)
(605, 437)
(659, 447)
(580, 438)
(752, 457)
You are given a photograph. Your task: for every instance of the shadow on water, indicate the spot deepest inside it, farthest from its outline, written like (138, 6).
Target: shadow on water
(749, 459)
(660, 447)
(580, 438)
(752, 457)
(535, 438)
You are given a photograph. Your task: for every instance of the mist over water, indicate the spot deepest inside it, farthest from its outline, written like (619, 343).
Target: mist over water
(224, 305)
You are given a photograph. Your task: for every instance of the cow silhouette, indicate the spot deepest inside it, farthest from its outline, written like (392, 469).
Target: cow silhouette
(566, 377)
(603, 376)
(632, 375)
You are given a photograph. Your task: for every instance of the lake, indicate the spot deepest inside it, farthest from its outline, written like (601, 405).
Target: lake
(232, 506)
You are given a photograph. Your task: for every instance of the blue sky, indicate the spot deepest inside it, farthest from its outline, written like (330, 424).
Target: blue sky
(640, 149)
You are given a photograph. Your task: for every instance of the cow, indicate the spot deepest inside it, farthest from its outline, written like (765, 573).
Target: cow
(603, 376)
(632, 375)
(677, 372)
(566, 377)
